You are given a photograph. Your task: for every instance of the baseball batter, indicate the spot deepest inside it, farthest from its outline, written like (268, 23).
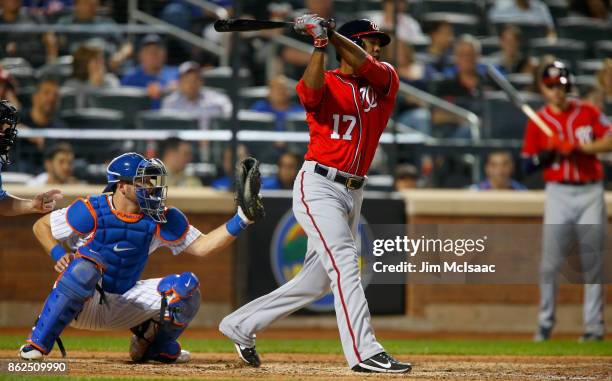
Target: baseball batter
(347, 111)
(112, 236)
(9, 204)
(574, 195)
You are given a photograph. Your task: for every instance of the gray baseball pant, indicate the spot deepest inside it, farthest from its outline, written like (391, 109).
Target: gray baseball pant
(329, 214)
(567, 208)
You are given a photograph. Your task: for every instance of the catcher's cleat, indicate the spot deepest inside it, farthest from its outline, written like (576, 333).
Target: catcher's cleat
(248, 355)
(590, 337)
(382, 363)
(543, 334)
(29, 352)
(183, 358)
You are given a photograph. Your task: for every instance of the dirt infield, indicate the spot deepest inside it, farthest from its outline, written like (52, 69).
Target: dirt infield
(325, 367)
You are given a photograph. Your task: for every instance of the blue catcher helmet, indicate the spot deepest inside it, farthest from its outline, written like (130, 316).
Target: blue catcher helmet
(148, 177)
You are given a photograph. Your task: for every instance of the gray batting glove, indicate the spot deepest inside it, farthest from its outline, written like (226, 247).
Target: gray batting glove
(311, 24)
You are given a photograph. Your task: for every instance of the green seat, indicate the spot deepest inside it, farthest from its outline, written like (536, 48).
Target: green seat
(129, 100)
(462, 23)
(571, 51)
(166, 120)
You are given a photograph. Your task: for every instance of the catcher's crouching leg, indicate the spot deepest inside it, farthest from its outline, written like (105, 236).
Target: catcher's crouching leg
(180, 303)
(74, 286)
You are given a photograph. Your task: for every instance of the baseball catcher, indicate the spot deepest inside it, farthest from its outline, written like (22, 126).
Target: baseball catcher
(9, 204)
(109, 239)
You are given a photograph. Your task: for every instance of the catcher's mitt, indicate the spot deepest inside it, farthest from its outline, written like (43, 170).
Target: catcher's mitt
(248, 182)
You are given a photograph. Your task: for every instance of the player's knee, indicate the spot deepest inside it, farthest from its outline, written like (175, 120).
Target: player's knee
(79, 279)
(183, 293)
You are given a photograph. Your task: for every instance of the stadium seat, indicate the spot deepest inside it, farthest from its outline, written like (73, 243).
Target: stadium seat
(297, 122)
(25, 96)
(462, 24)
(589, 67)
(520, 80)
(489, 45)
(60, 69)
(502, 120)
(93, 118)
(129, 100)
(221, 77)
(453, 6)
(584, 29)
(94, 151)
(608, 108)
(9, 63)
(247, 120)
(557, 8)
(585, 82)
(603, 49)
(24, 75)
(68, 98)
(571, 51)
(528, 30)
(166, 120)
(349, 7)
(250, 95)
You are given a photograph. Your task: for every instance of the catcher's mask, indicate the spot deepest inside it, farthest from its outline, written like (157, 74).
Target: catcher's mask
(8, 136)
(148, 176)
(151, 189)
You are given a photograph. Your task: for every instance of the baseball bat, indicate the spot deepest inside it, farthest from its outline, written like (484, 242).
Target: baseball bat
(517, 99)
(245, 25)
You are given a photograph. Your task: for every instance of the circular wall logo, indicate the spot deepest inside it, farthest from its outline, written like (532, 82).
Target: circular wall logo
(288, 249)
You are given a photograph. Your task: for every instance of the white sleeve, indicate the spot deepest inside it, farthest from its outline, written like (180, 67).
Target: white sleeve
(60, 229)
(177, 247)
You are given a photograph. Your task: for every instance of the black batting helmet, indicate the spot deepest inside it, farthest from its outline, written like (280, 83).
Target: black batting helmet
(356, 29)
(556, 73)
(8, 115)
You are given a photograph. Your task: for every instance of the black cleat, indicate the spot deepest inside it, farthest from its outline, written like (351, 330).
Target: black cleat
(248, 355)
(590, 337)
(382, 363)
(543, 334)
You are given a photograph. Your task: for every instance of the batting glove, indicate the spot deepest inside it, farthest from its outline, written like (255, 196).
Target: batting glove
(311, 24)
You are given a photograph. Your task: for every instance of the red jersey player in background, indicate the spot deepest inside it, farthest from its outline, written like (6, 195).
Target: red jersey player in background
(347, 111)
(574, 195)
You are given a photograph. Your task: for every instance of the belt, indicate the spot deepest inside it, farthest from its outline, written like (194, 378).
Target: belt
(351, 182)
(577, 183)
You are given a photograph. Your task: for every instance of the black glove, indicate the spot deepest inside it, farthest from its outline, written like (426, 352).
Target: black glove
(248, 183)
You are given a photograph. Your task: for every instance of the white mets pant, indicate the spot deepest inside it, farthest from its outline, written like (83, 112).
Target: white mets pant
(567, 207)
(121, 311)
(329, 214)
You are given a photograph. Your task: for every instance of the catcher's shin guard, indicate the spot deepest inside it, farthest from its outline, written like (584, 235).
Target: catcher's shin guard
(180, 303)
(74, 286)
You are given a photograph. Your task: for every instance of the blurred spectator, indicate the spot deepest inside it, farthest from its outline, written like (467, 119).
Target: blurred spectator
(604, 79)
(226, 181)
(192, 97)
(413, 112)
(85, 13)
(596, 9)
(36, 48)
(511, 58)
(465, 88)
(441, 36)
(176, 154)
(152, 72)
(48, 8)
(89, 73)
(8, 88)
(278, 102)
(596, 96)
(408, 29)
(43, 114)
(289, 164)
(499, 168)
(59, 166)
(521, 11)
(406, 176)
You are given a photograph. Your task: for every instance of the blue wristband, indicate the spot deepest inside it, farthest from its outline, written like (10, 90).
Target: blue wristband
(57, 252)
(235, 225)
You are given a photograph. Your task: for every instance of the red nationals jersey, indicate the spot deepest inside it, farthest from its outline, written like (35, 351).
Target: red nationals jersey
(348, 114)
(581, 123)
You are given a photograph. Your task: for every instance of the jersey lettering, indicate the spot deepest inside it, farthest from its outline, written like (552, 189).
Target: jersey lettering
(351, 119)
(368, 98)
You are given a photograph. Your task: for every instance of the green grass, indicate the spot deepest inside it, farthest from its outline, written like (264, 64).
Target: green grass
(332, 346)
